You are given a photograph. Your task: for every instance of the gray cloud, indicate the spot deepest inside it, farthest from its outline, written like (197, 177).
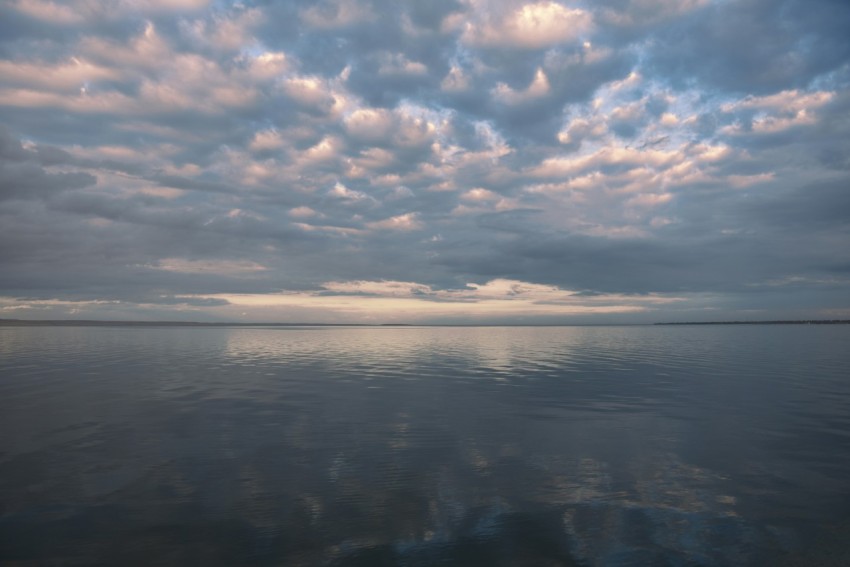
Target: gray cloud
(672, 157)
(754, 46)
(22, 175)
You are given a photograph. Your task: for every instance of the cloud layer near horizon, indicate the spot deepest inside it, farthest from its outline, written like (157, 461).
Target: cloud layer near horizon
(445, 161)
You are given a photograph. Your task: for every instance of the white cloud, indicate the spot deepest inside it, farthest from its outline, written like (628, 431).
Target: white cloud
(538, 88)
(307, 90)
(268, 65)
(479, 194)
(70, 75)
(606, 156)
(302, 212)
(84, 103)
(382, 288)
(404, 223)
(786, 101)
(582, 128)
(777, 112)
(269, 139)
(146, 51)
(343, 192)
(532, 26)
(369, 160)
(456, 80)
(163, 81)
(328, 149)
(230, 31)
(370, 124)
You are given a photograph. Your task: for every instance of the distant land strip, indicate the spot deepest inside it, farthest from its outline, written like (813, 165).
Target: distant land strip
(96, 323)
(801, 322)
(101, 323)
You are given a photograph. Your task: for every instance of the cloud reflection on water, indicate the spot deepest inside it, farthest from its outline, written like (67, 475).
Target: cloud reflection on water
(414, 446)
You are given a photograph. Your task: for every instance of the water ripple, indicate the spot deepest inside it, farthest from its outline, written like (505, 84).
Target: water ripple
(423, 446)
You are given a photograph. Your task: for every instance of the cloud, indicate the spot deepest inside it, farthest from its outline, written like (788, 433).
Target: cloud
(398, 64)
(777, 112)
(477, 302)
(381, 159)
(228, 267)
(145, 50)
(717, 46)
(538, 88)
(531, 26)
(69, 76)
(644, 13)
(23, 175)
(405, 222)
(48, 11)
(71, 12)
(370, 124)
(226, 32)
(337, 14)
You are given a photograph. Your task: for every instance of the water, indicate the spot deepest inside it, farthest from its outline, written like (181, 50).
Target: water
(425, 446)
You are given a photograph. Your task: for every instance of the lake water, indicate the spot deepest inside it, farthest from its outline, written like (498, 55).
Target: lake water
(697, 445)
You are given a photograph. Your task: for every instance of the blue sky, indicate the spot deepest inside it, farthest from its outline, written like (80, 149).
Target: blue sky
(451, 161)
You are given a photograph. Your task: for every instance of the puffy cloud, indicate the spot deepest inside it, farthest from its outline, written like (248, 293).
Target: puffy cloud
(370, 124)
(398, 64)
(309, 91)
(632, 157)
(405, 222)
(785, 101)
(456, 80)
(72, 75)
(269, 139)
(777, 112)
(146, 50)
(538, 88)
(531, 26)
(23, 174)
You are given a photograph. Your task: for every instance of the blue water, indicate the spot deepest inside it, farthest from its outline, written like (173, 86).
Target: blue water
(704, 445)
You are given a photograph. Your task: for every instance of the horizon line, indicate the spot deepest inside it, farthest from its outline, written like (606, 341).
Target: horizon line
(133, 322)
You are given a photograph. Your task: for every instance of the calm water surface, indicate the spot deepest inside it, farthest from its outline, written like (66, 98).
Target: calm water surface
(425, 446)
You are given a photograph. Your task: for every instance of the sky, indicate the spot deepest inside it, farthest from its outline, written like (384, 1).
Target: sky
(445, 162)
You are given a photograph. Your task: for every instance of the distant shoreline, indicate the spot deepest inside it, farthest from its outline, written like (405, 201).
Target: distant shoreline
(100, 323)
(801, 322)
(97, 323)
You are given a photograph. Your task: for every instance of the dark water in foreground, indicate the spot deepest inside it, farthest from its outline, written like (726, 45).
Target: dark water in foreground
(425, 446)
